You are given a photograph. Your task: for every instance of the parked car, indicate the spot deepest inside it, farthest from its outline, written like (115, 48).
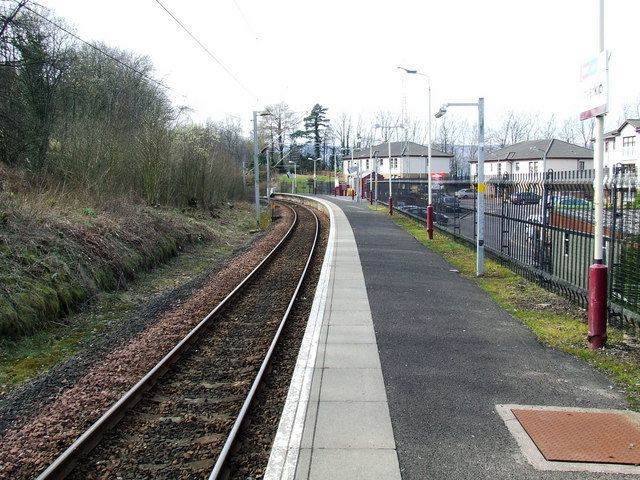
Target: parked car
(569, 202)
(525, 198)
(446, 203)
(421, 212)
(465, 193)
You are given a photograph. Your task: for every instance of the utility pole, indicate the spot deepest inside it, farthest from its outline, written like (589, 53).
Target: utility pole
(390, 192)
(256, 172)
(335, 172)
(268, 180)
(481, 188)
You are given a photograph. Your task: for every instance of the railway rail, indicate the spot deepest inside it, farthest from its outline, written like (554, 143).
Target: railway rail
(184, 416)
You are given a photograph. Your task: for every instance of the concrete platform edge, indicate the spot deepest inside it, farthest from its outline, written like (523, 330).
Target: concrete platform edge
(286, 445)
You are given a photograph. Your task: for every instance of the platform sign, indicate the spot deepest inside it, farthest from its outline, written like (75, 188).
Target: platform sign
(594, 85)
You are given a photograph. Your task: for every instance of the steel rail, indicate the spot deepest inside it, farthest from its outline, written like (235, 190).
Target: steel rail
(66, 462)
(223, 457)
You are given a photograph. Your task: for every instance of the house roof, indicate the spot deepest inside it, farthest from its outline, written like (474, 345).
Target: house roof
(398, 150)
(531, 150)
(634, 122)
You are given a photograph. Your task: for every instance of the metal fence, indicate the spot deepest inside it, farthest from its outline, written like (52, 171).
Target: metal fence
(542, 228)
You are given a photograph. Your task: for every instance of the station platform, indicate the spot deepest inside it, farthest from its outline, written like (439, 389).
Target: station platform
(404, 367)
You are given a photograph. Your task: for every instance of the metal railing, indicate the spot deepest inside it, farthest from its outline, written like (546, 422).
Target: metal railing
(541, 226)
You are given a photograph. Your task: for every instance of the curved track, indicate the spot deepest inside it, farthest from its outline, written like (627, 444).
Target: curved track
(184, 415)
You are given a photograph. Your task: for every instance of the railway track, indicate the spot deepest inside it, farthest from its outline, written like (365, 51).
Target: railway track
(182, 419)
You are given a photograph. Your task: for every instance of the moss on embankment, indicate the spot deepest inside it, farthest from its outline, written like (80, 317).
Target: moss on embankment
(58, 250)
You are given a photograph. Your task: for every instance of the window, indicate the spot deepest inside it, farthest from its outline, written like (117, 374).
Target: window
(381, 161)
(367, 163)
(532, 166)
(580, 164)
(499, 168)
(517, 166)
(628, 144)
(394, 163)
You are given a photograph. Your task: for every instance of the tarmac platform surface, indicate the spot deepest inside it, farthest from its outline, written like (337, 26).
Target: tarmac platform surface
(418, 397)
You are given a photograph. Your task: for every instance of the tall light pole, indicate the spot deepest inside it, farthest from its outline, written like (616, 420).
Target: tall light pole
(429, 184)
(336, 181)
(481, 185)
(359, 172)
(314, 174)
(294, 184)
(543, 151)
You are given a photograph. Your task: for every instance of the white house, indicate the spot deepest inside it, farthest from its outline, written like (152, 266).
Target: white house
(408, 160)
(622, 146)
(527, 157)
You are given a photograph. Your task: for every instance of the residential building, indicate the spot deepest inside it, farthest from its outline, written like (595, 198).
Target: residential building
(526, 157)
(622, 147)
(408, 160)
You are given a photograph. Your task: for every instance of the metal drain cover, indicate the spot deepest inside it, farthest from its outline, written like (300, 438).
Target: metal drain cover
(582, 436)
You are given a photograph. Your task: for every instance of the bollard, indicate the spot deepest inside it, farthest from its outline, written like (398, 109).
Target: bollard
(430, 222)
(597, 307)
(390, 205)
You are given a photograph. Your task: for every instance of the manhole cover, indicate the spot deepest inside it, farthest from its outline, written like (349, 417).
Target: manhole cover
(575, 436)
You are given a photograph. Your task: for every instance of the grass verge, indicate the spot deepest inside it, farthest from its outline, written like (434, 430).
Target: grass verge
(554, 320)
(25, 357)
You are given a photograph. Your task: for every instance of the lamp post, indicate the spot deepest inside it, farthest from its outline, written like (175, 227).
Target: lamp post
(481, 186)
(314, 174)
(359, 171)
(429, 184)
(543, 151)
(294, 184)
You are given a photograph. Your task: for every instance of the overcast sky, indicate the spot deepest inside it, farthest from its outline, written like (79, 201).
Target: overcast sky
(343, 54)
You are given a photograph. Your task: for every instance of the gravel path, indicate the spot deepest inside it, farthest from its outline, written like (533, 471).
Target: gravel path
(30, 444)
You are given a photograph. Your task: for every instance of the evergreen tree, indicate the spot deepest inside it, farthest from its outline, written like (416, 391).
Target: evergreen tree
(314, 126)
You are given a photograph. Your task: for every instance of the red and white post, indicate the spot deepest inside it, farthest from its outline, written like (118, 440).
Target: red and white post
(597, 293)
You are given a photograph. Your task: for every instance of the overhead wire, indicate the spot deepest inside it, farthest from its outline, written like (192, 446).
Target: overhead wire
(207, 51)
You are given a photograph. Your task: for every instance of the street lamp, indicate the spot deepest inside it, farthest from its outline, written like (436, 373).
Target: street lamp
(481, 186)
(294, 184)
(314, 173)
(430, 190)
(543, 151)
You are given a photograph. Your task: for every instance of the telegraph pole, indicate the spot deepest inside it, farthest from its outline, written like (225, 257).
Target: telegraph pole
(256, 172)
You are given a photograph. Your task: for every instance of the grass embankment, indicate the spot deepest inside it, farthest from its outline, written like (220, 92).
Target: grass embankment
(555, 321)
(59, 251)
(302, 181)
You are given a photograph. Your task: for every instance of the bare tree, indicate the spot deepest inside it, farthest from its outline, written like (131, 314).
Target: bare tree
(547, 129)
(278, 126)
(343, 129)
(514, 128)
(632, 110)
